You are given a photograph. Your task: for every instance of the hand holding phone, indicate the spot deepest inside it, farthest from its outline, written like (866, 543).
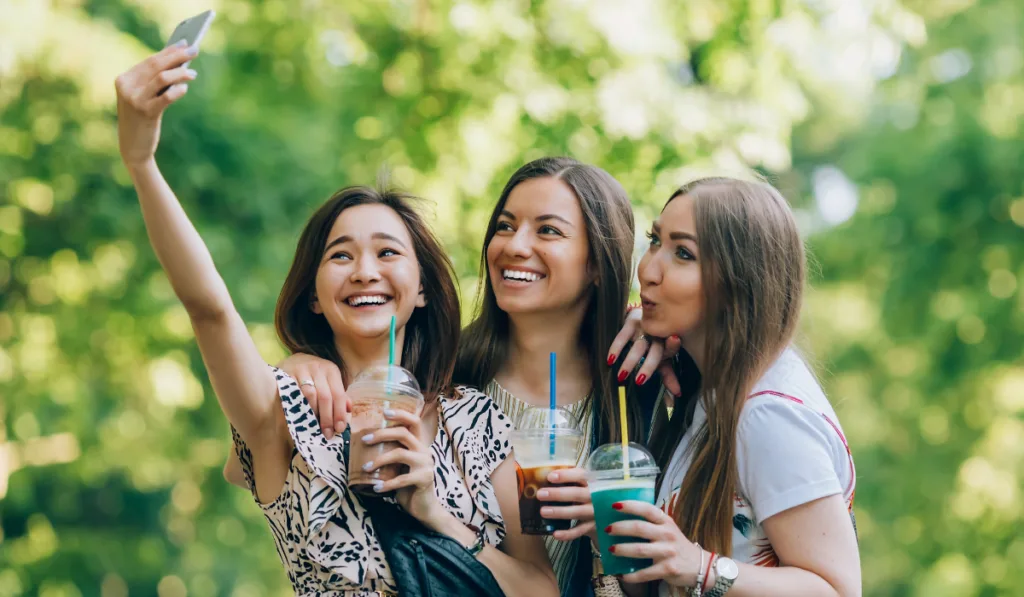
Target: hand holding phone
(190, 32)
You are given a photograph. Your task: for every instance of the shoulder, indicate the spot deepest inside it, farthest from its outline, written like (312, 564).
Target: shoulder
(469, 407)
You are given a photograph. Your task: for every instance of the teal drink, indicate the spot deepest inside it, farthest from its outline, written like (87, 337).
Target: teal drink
(609, 485)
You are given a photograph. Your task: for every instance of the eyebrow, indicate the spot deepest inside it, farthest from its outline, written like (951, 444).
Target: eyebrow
(542, 218)
(376, 236)
(675, 235)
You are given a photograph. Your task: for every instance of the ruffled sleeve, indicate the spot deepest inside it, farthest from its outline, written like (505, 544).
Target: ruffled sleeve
(339, 535)
(480, 439)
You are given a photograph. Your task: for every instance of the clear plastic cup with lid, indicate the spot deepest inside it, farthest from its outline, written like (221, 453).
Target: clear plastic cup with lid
(372, 392)
(614, 479)
(544, 440)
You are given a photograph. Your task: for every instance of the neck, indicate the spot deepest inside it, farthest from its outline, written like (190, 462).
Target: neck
(693, 344)
(361, 353)
(532, 338)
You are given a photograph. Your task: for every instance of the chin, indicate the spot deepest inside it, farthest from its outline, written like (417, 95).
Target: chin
(656, 329)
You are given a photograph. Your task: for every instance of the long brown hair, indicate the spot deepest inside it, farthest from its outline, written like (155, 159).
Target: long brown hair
(431, 334)
(609, 221)
(752, 271)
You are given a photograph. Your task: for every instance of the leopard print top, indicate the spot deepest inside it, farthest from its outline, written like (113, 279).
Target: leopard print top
(325, 538)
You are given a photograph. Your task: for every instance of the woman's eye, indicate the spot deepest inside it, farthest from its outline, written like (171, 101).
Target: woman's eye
(503, 227)
(340, 255)
(550, 230)
(685, 255)
(387, 253)
(654, 240)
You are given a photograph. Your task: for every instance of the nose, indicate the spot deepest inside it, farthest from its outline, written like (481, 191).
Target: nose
(650, 271)
(367, 270)
(520, 245)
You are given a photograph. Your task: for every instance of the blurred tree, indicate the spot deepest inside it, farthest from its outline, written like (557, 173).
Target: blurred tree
(920, 314)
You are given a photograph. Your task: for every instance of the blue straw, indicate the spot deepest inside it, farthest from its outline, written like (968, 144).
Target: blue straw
(554, 404)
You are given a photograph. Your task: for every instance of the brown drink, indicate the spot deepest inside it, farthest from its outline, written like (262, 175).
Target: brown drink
(372, 392)
(544, 441)
(532, 480)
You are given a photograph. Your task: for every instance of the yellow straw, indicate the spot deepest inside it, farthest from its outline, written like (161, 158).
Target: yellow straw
(625, 435)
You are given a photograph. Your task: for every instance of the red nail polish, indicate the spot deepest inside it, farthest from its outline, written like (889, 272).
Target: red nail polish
(611, 549)
(612, 359)
(640, 379)
(623, 375)
(617, 505)
(673, 337)
(608, 529)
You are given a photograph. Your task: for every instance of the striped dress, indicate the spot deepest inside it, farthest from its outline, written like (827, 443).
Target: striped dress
(562, 555)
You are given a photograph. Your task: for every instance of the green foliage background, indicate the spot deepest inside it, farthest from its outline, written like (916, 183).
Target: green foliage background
(111, 443)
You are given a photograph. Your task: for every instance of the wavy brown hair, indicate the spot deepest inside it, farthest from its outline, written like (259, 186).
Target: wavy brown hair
(752, 270)
(608, 217)
(431, 334)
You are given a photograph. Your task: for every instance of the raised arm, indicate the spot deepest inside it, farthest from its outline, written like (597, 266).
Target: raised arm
(244, 385)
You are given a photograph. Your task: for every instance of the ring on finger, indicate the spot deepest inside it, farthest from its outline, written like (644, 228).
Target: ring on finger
(307, 382)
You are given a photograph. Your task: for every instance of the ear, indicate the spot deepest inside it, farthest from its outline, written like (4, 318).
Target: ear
(421, 299)
(314, 305)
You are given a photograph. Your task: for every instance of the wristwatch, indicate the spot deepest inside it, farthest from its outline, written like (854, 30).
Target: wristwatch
(726, 572)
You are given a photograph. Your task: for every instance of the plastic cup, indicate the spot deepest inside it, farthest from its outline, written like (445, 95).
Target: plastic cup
(608, 485)
(373, 391)
(541, 448)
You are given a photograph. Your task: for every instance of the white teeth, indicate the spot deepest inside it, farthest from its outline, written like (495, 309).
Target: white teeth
(375, 299)
(511, 274)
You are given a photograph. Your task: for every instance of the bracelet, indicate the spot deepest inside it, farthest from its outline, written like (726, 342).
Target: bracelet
(698, 588)
(707, 571)
(478, 546)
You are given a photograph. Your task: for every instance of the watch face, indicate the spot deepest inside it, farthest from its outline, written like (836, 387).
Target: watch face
(727, 569)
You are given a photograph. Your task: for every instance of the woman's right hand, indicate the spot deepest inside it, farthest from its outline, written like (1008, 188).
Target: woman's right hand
(326, 394)
(140, 105)
(657, 354)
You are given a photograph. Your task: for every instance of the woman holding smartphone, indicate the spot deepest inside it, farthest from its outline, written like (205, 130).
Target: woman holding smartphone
(757, 485)
(364, 258)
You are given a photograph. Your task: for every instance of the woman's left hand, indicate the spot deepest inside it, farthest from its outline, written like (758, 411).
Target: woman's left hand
(676, 558)
(414, 489)
(574, 497)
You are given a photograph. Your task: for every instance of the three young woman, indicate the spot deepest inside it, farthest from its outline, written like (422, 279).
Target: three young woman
(364, 257)
(756, 470)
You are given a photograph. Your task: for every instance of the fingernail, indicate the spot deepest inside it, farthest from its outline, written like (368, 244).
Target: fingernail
(617, 505)
(553, 478)
(623, 375)
(612, 359)
(193, 51)
(608, 529)
(192, 73)
(546, 511)
(611, 549)
(368, 437)
(339, 427)
(673, 337)
(328, 433)
(640, 379)
(368, 466)
(543, 493)
(389, 413)
(378, 486)
(180, 43)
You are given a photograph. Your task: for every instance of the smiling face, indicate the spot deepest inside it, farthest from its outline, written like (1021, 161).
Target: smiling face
(671, 286)
(367, 273)
(537, 260)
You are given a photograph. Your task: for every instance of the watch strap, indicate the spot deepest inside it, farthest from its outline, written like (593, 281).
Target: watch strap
(721, 586)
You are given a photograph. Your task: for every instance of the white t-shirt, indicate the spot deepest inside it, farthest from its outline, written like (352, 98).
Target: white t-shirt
(790, 451)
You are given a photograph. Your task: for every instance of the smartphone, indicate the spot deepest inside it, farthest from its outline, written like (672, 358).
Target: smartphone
(192, 30)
